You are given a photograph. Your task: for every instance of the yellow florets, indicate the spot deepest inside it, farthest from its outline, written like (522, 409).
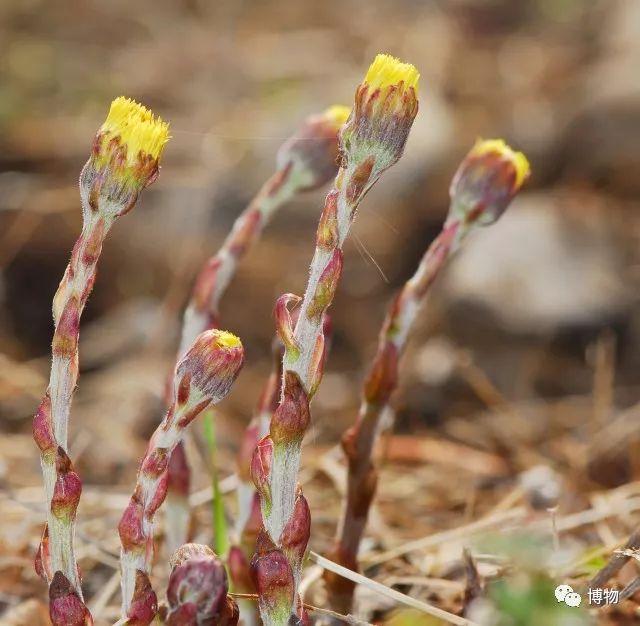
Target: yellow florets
(337, 114)
(498, 146)
(137, 129)
(226, 339)
(387, 70)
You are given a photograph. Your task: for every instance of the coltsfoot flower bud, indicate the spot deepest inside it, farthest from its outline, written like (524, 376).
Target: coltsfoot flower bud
(486, 181)
(65, 606)
(274, 581)
(207, 371)
(313, 150)
(197, 590)
(125, 157)
(386, 104)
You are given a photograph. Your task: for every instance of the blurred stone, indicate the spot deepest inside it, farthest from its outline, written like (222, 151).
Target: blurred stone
(436, 361)
(541, 269)
(542, 486)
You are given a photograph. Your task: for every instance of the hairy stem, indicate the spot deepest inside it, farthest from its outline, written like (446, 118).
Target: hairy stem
(62, 486)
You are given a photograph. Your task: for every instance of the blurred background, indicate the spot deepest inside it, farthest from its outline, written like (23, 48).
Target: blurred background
(529, 348)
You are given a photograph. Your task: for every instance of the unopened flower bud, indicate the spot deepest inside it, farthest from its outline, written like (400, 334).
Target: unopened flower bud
(385, 107)
(207, 371)
(125, 157)
(487, 180)
(197, 590)
(313, 150)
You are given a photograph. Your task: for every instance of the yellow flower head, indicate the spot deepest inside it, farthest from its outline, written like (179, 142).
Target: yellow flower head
(486, 181)
(136, 128)
(225, 339)
(337, 115)
(385, 105)
(500, 148)
(386, 71)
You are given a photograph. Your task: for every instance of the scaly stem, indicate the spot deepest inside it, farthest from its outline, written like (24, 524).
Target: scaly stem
(62, 486)
(372, 140)
(481, 190)
(360, 439)
(124, 160)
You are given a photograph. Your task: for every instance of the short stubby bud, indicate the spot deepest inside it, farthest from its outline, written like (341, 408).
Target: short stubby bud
(327, 234)
(313, 150)
(65, 337)
(327, 285)
(285, 324)
(291, 419)
(296, 533)
(487, 180)
(42, 433)
(65, 606)
(125, 156)
(386, 104)
(210, 367)
(179, 480)
(383, 376)
(130, 528)
(67, 488)
(42, 561)
(197, 586)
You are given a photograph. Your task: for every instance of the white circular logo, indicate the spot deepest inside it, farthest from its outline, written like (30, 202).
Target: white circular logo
(566, 594)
